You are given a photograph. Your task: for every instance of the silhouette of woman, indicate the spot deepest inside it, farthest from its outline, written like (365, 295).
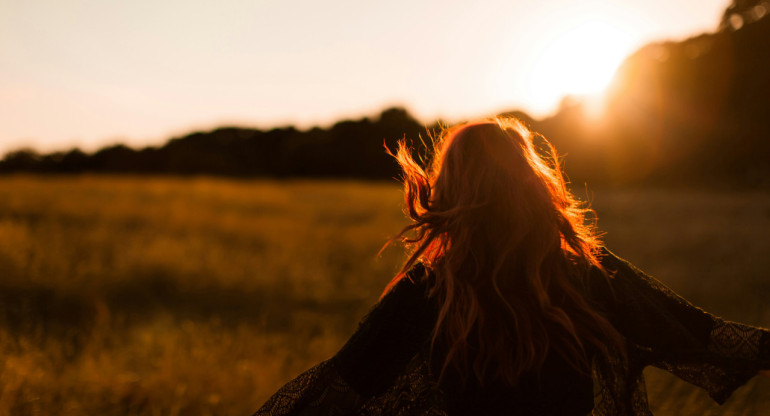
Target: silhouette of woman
(508, 304)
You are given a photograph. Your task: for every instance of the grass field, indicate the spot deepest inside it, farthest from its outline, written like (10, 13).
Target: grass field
(161, 296)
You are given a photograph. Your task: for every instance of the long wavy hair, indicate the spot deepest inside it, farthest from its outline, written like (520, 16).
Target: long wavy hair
(510, 247)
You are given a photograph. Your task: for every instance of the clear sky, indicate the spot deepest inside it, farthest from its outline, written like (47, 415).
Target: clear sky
(94, 72)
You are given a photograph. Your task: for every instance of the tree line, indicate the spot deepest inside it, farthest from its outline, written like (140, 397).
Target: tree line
(693, 111)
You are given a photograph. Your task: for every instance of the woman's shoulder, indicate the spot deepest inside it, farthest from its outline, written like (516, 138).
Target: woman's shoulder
(621, 273)
(420, 275)
(614, 270)
(605, 280)
(409, 297)
(418, 280)
(611, 261)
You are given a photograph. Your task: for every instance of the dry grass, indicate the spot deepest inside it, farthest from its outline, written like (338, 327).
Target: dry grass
(159, 296)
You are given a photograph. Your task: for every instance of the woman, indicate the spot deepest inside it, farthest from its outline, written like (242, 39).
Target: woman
(509, 305)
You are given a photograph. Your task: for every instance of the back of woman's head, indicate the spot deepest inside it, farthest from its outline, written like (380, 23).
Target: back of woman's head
(510, 248)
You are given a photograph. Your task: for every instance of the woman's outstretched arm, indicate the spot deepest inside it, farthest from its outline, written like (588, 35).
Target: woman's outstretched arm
(378, 352)
(703, 349)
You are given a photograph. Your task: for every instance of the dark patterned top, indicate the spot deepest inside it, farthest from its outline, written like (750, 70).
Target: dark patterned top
(384, 369)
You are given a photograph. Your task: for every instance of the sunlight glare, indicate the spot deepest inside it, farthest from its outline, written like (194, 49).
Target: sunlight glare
(580, 61)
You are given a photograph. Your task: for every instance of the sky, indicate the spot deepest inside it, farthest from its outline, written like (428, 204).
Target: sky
(91, 73)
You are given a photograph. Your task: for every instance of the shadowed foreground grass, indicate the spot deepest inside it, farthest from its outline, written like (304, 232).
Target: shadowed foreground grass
(145, 296)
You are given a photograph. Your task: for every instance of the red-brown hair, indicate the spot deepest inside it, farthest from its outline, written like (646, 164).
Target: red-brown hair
(510, 248)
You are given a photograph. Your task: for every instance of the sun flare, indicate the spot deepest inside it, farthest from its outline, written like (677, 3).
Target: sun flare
(579, 59)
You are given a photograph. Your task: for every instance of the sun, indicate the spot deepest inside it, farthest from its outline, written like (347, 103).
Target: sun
(578, 60)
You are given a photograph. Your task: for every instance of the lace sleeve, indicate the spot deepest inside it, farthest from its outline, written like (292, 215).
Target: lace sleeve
(714, 354)
(374, 363)
(388, 337)
(316, 392)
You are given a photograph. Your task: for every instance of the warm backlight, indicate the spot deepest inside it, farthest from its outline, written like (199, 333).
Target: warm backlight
(580, 60)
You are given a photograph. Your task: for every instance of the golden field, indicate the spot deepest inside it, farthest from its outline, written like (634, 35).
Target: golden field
(187, 296)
